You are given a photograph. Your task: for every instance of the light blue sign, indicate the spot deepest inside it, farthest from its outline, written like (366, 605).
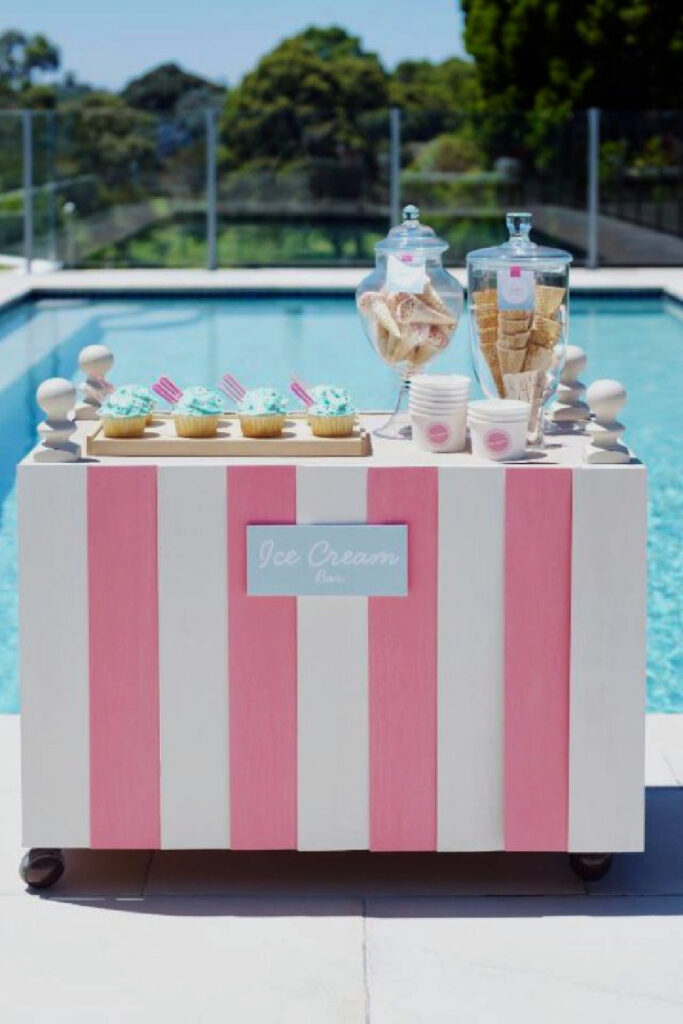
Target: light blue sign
(327, 560)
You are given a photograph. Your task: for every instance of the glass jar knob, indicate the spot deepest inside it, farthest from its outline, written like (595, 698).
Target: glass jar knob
(519, 226)
(410, 212)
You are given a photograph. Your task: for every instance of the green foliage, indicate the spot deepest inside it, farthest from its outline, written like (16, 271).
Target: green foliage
(307, 98)
(449, 153)
(109, 139)
(419, 84)
(553, 56)
(160, 90)
(22, 57)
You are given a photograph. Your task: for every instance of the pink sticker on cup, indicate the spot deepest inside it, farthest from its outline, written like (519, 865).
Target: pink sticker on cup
(439, 433)
(497, 441)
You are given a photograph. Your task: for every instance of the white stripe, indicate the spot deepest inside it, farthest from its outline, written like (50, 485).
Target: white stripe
(607, 688)
(333, 682)
(193, 664)
(470, 658)
(55, 731)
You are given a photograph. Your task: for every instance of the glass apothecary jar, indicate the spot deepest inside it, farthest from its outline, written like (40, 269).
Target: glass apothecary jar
(410, 306)
(518, 298)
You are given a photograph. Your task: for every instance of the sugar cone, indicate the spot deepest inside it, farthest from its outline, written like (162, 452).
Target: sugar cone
(485, 320)
(414, 310)
(515, 314)
(511, 360)
(431, 298)
(488, 336)
(517, 341)
(384, 316)
(487, 296)
(545, 331)
(490, 353)
(538, 358)
(548, 300)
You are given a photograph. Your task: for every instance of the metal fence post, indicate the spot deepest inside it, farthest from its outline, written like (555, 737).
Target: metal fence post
(27, 159)
(211, 219)
(593, 198)
(395, 164)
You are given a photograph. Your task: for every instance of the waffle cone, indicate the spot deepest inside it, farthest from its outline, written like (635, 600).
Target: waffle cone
(488, 336)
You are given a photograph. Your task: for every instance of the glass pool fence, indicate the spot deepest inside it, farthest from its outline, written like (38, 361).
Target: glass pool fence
(107, 187)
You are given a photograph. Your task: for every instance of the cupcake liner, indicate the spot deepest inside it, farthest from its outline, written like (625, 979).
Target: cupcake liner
(266, 425)
(332, 426)
(195, 426)
(124, 426)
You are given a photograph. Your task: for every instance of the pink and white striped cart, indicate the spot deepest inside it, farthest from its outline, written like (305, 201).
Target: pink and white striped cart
(497, 705)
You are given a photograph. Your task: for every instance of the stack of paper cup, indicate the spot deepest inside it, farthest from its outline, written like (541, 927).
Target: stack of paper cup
(498, 428)
(438, 411)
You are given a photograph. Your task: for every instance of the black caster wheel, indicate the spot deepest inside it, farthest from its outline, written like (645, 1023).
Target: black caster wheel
(41, 868)
(590, 867)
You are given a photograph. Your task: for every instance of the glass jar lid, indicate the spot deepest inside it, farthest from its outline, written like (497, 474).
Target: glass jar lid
(411, 236)
(519, 248)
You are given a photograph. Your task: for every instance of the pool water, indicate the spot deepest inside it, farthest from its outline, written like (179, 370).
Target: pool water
(263, 340)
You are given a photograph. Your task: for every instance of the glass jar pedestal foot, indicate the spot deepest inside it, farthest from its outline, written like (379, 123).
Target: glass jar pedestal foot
(397, 427)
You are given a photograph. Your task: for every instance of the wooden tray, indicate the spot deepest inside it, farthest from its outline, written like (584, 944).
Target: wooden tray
(160, 439)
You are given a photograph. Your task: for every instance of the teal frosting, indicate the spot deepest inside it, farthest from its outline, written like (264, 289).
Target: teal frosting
(331, 401)
(138, 391)
(263, 402)
(122, 405)
(199, 402)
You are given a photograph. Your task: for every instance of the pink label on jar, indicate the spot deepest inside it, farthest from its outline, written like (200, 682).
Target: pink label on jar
(497, 441)
(438, 433)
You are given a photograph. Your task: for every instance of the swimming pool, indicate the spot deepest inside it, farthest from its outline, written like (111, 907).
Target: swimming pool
(195, 340)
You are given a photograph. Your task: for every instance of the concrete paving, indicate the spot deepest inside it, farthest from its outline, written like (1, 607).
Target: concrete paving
(13, 286)
(351, 938)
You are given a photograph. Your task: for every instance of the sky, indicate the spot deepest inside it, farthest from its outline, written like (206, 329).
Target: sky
(107, 42)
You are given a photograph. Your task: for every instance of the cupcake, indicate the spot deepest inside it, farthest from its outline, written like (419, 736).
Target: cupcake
(262, 413)
(196, 413)
(332, 413)
(123, 415)
(144, 395)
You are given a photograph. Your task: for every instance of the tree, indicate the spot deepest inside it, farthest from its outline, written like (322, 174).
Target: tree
(109, 139)
(552, 57)
(22, 56)
(305, 99)
(419, 84)
(160, 90)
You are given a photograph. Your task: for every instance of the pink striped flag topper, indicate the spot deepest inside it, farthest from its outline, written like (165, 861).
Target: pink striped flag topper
(301, 393)
(230, 386)
(167, 390)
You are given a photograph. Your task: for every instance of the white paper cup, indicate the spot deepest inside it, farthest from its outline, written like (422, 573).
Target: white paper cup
(440, 432)
(498, 429)
(434, 382)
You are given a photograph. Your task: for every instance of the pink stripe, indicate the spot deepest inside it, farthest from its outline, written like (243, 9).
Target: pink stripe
(262, 654)
(402, 669)
(124, 658)
(538, 525)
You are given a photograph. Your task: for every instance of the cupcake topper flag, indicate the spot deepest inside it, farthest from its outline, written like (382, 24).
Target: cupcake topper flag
(167, 390)
(232, 387)
(301, 393)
